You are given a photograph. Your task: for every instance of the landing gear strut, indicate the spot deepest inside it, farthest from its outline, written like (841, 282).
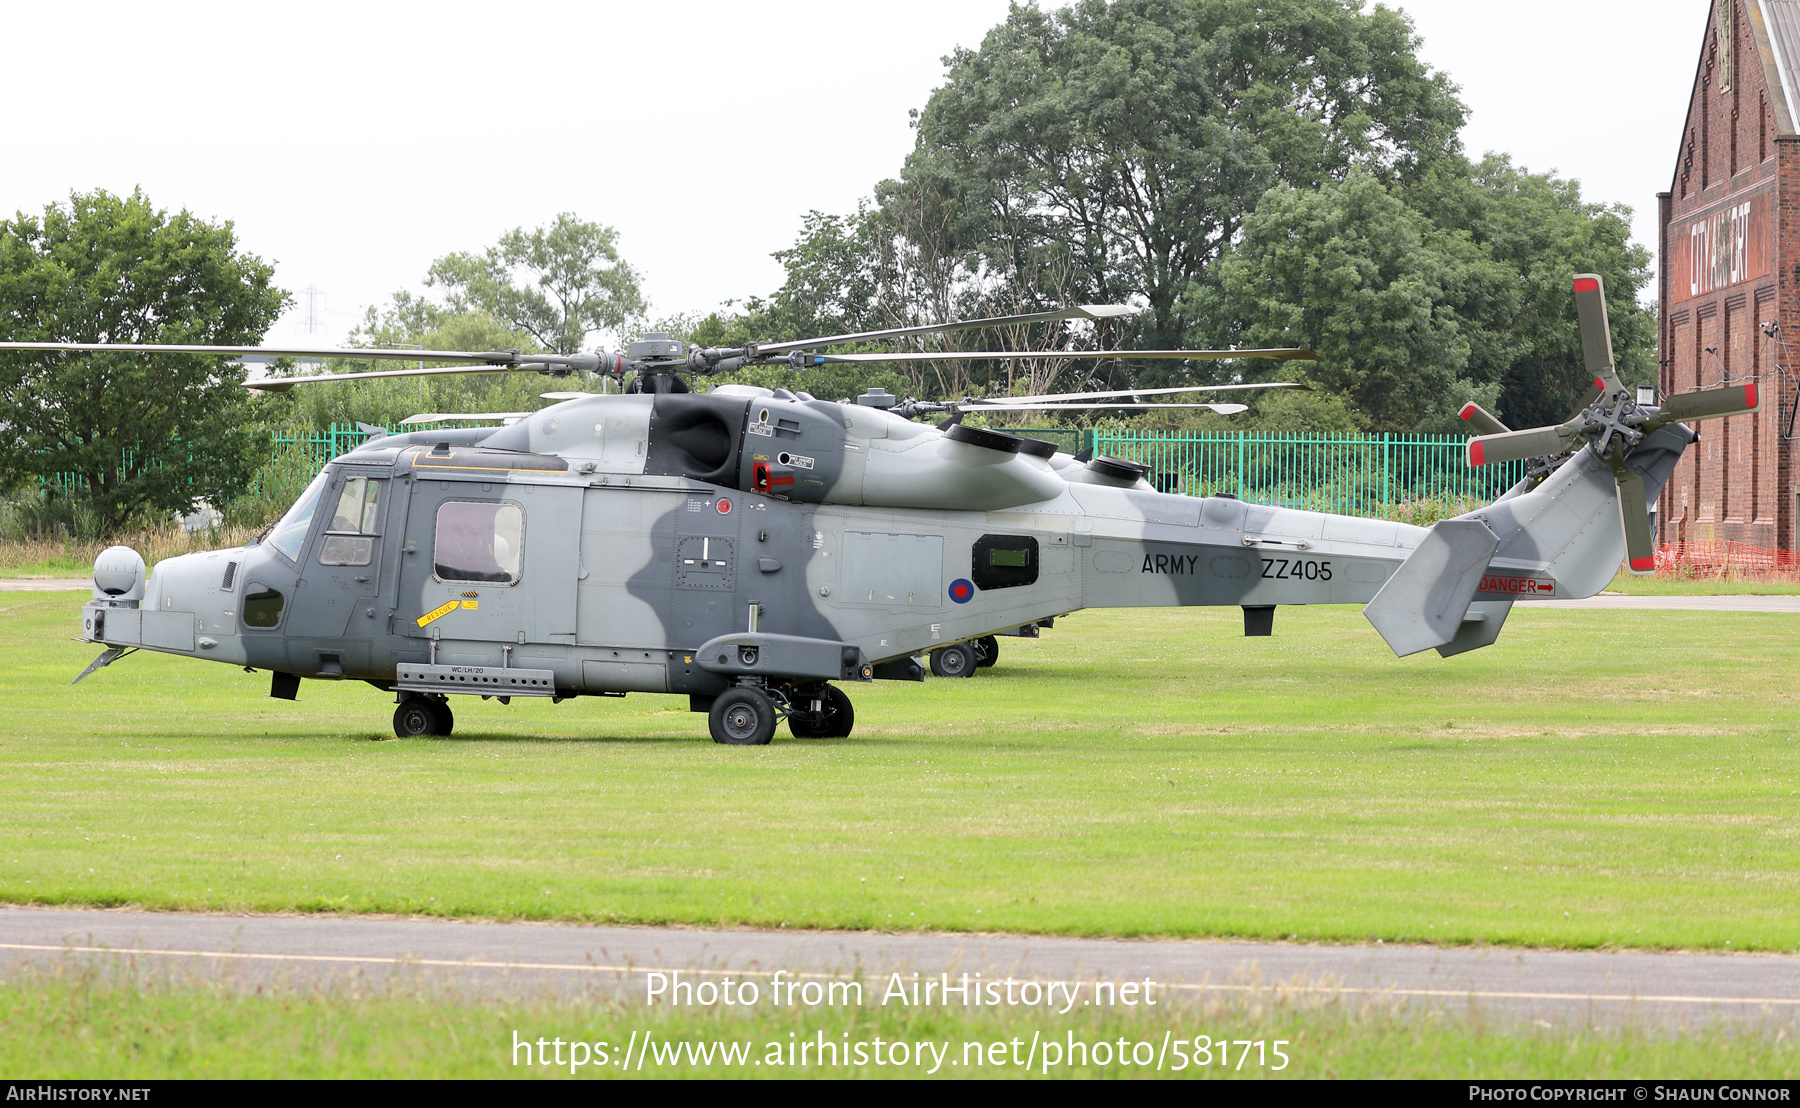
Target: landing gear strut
(423, 715)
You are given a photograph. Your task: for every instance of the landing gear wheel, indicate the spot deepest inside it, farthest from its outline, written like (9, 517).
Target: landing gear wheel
(743, 716)
(955, 660)
(446, 719)
(414, 717)
(835, 719)
(990, 650)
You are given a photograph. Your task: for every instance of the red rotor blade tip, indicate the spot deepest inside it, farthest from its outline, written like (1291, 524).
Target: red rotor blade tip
(1476, 451)
(1468, 409)
(1644, 563)
(1750, 395)
(1586, 284)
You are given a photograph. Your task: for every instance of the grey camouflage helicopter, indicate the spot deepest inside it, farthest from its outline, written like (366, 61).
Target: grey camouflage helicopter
(752, 548)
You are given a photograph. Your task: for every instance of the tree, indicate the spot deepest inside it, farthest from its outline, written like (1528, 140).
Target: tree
(1133, 136)
(556, 283)
(1350, 272)
(410, 320)
(140, 432)
(1422, 296)
(1525, 338)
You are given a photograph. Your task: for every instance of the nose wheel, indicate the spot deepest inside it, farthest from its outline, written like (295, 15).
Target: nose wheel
(744, 716)
(423, 715)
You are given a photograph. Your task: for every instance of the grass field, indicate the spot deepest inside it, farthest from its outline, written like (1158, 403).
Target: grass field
(1610, 779)
(1668, 585)
(80, 1022)
(1599, 779)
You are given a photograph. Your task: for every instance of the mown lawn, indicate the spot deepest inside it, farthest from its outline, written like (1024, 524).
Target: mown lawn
(1627, 779)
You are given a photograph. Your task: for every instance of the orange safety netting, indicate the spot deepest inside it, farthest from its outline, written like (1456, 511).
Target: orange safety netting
(1728, 560)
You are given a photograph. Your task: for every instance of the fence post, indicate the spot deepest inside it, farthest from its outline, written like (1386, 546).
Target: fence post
(1387, 468)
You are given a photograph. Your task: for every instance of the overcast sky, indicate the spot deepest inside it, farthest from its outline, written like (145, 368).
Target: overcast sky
(354, 143)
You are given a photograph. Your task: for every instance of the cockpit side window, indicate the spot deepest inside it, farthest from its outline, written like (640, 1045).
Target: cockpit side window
(478, 541)
(350, 535)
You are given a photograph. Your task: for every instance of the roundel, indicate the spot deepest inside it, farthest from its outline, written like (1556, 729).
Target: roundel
(724, 505)
(962, 590)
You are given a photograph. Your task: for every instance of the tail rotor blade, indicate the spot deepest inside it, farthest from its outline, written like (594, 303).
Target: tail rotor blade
(1483, 420)
(1596, 338)
(1511, 446)
(1634, 517)
(1710, 404)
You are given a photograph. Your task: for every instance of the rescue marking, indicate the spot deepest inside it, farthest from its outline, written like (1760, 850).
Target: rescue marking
(442, 610)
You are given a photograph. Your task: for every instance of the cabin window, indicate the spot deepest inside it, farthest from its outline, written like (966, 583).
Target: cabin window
(262, 606)
(1004, 561)
(478, 541)
(290, 532)
(350, 536)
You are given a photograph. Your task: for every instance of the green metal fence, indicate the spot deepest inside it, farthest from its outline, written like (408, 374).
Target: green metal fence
(1349, 474)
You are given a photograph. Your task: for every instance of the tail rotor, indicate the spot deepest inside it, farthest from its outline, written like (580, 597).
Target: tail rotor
(1612, 421)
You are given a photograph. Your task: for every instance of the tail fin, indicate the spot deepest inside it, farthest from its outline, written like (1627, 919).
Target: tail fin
(1561, 539)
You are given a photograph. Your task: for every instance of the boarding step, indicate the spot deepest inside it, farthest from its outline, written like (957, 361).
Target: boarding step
(486, 680)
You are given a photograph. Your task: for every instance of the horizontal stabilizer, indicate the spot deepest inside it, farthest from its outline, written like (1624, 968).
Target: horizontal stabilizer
(1423, 603)
(1480, 627)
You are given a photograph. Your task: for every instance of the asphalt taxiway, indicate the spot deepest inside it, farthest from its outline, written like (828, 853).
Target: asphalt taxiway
(524, 960)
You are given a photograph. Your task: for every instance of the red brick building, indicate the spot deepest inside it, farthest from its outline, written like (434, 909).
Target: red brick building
(1730, 277)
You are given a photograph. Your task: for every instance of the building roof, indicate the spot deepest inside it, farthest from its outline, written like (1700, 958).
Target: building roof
(1776, 24)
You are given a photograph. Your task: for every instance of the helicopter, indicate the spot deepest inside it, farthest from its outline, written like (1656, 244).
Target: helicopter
(756, 549)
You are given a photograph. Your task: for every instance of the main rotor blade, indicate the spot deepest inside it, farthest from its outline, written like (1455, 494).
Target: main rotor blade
(1222, 409)
(1286, 354)
(483, 357)
(1710, 404)
(1510, 446)
(452, 417)
(1079, 311)
(1051, 396)
(1634, 516)
(1596, 339)
(283, 384)
(1482, 420)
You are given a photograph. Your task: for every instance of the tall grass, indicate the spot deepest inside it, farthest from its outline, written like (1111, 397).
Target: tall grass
(55, 532)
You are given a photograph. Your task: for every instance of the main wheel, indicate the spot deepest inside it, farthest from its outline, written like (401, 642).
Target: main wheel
(446, 719)
(955, 660)
(743, 716)
(990, 651)
(414, 717)
(835, 719)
